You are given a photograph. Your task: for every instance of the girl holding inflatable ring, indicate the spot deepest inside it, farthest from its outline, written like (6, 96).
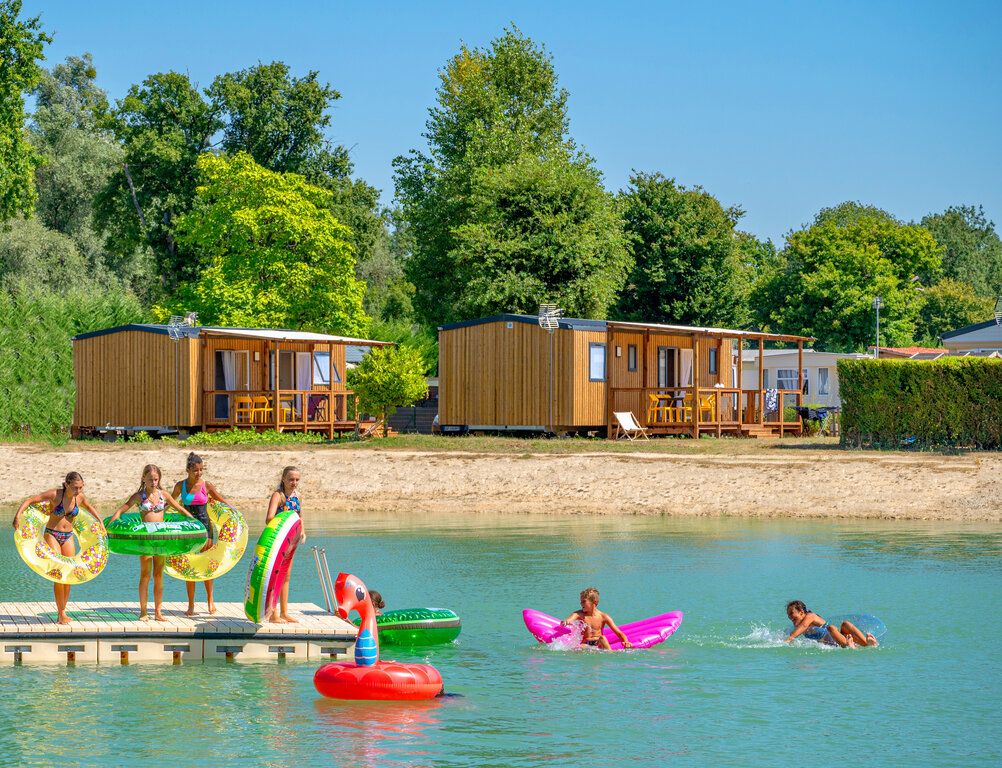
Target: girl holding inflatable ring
(152, 502)
(64, 504)
(195, 493)
(285, 497)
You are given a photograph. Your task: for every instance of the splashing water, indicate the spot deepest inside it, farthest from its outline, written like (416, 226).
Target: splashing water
(571, 640)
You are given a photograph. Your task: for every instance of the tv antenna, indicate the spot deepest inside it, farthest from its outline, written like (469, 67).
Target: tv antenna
(174, 330)
(549, 317)
(998, 311)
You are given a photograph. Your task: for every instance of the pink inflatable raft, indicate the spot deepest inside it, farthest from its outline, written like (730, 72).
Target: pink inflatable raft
(641, 634)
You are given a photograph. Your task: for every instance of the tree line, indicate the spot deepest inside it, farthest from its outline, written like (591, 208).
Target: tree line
(229, 200)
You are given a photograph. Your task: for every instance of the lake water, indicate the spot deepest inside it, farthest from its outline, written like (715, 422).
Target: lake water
(724, 690)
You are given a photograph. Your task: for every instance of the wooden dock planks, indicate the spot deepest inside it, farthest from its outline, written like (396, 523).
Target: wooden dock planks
(110, 632)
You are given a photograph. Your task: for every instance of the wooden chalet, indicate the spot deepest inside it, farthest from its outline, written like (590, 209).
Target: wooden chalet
(508, 373)
(160, 378)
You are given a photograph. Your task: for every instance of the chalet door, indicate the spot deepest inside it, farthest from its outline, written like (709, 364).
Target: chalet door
(232, 374)
(666, 367)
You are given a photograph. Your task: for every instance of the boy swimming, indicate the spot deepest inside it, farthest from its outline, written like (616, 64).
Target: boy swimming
(813, 627)
(594, 622)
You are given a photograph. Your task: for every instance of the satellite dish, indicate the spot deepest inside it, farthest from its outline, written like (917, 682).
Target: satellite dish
(549, 317)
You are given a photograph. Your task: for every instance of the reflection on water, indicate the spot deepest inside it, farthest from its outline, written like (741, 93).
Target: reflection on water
(724, 690)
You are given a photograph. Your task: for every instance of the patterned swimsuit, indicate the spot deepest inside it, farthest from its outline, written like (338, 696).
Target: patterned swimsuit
(62, 537)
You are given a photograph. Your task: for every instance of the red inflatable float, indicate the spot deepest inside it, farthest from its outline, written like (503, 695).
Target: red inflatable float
(368, 677)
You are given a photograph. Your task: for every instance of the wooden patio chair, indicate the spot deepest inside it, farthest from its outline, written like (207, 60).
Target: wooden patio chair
(708, 405)
(627, 426)
(262, 409)
(243, 409)
(657, 409)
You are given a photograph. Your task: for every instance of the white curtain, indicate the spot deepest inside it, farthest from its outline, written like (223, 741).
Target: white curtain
(303, 370)
(686, 368)
(229, 370)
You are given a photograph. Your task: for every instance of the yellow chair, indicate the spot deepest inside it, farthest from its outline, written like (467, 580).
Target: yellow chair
(657, 410)
(262, 409)
(708, 405)
(243, 409)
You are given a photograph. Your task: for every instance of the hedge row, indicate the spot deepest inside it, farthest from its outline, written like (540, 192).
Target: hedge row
(36, 357)
(954, 402)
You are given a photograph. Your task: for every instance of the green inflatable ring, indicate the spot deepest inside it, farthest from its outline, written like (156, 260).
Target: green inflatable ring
(418, 626)
(177, 535)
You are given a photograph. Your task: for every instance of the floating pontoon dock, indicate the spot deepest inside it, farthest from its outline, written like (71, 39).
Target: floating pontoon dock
(111, 633)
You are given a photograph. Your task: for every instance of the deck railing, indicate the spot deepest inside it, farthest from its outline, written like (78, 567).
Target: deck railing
(298, 409)
(674, 409)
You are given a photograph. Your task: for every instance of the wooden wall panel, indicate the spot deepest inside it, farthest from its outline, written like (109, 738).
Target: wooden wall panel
(127, 378)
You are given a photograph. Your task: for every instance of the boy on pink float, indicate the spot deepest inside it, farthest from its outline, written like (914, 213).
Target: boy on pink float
(594, 622)
(285, 497)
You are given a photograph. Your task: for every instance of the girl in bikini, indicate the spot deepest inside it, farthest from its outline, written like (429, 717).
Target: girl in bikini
(286, 497)
(194, 493)
(152, 503)
(64, 505)
(811, 626)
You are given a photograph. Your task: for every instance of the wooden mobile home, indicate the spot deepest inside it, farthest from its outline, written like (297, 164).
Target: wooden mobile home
(506, 372)
(156, 378)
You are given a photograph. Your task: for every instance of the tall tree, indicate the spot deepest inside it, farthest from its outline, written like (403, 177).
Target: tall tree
(477, 202)
(275, 255)
(275, 118)
(972, 251)
(164, 125)
(831, 270)
(21, 44)
(947, 306)
(687, 265)
(81, 156)
(280, 120)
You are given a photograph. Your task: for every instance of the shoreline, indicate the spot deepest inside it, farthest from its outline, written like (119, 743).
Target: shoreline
(802, 483)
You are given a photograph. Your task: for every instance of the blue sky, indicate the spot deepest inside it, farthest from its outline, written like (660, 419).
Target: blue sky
(779, 108)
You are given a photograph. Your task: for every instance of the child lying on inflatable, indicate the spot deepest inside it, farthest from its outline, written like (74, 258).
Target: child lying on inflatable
(594, 622)
(813, 627)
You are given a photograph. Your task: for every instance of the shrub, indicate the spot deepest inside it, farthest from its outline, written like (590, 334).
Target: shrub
(922, 403)
(250, 437)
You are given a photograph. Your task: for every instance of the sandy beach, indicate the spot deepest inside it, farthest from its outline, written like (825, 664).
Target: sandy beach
(790, 483)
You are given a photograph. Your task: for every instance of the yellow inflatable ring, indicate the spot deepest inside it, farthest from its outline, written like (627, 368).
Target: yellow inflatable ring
(43, 560)
(221, 556)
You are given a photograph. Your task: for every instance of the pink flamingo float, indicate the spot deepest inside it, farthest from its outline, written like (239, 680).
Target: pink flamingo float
(368, 677)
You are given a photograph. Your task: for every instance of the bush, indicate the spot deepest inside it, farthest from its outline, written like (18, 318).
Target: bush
(37, 391)
(250, 437)
(954, 402)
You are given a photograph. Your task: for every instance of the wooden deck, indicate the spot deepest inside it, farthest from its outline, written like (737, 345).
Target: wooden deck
(111, 633)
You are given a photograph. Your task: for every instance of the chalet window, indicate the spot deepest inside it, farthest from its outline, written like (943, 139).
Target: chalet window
(713, 362)
(596, 362)
(786, 378)
(823, 388)
(631, 357)
(322, 368)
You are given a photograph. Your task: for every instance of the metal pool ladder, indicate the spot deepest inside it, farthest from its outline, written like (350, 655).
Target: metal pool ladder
(326, 584)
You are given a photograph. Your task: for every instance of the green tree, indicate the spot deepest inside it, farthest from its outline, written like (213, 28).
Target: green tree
(947, 306)
(21, 44)
(80, 159)
(831, 270)
(280, 120)
(688, 268)
(498, 151)
(275, 255)
(275, 118)
(972, 251)
(34, 256)
(164, 125)
(387, 378)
